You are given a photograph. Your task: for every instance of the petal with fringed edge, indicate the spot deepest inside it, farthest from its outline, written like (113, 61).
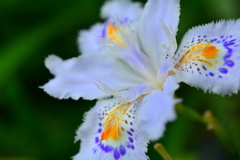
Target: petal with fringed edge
(89, 41)
(157, 109)
(209, 57)
(158, 27)
(111, 132)
(126, 10)
(77, 77)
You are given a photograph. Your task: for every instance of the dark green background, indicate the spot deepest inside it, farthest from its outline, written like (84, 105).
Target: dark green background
(35, 126)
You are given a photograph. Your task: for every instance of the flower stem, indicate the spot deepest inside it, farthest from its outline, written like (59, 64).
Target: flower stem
(210, 121)
(162, 151)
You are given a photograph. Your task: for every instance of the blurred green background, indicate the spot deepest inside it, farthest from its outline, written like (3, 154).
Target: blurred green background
(35, 126)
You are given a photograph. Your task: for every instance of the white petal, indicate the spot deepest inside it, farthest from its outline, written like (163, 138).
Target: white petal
(158, 27)
(209, 57)
(88, 40)
(76, 77)
(157, 109)
(110, 132)
(126, 10)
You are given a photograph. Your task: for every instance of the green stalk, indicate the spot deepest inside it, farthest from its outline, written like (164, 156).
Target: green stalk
(162, 151)
(211, 123)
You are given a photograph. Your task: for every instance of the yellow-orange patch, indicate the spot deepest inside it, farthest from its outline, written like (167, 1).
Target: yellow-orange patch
(201, 53)
(112, 125)
(114, 35)
(210, 52)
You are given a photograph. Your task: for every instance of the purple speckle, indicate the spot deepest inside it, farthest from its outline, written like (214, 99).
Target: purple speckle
(200, 73)
(104, 32)
(222, 37)
(100, 124)
(220, 76)
(130, 139)
(206, 75)
(229, 63)
(107, 148)
(192, 72)
(199, 36)
(122, 150)
(129, 133)
(96, 140)
(229, 44)
(131, 123)
(211, 74)
(213, 40)
(223, 70)
(198, 69)
(128, 145)
(101, 145)
(132, 146)
(204, 36)
(228, 55)
(99, 130)
(116, 154)
(132, 129)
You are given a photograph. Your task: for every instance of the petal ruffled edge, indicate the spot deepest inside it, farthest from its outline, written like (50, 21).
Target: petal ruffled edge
(129, 142)
(76, 77)
(208, 57)
(88, 40)
(126, 10)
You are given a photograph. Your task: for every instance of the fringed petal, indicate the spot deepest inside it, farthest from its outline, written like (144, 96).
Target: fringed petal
(111, 132)
(209, 57)
(77, 77)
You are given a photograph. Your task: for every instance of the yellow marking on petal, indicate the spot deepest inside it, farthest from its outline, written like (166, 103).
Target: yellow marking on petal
(210, 52)
(112, 126)
(171, 73)
(207, 62)
(216, 62)
(114, 35)
(200, 53)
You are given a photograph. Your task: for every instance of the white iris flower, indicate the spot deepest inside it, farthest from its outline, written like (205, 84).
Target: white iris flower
(131, 65)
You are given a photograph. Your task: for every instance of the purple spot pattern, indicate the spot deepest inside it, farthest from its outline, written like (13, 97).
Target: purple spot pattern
(130, 133)
(227, 41)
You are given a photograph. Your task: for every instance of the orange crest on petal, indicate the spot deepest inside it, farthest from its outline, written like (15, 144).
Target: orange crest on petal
(114, 35)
